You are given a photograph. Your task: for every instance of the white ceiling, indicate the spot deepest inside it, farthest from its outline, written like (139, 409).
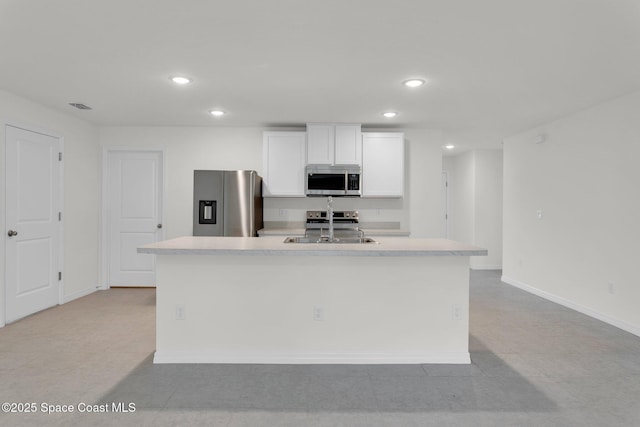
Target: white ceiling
(495, 67)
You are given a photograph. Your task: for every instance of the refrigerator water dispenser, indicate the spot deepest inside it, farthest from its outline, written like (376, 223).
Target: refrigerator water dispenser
(207, 212)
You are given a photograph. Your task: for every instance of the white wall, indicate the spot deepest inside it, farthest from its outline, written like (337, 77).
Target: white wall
(488, 208)
(584, 178)
(81, 201)
(461, 171)
(189, 148)
(424, 182)
(475, 203)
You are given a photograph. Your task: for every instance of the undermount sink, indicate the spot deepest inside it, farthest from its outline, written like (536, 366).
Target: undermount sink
(344, 240)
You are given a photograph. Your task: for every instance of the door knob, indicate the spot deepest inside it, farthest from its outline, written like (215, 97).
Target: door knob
(159, 225)
(12, 233)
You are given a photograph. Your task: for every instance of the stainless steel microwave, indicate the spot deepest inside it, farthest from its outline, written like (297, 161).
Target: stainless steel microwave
(339, 180)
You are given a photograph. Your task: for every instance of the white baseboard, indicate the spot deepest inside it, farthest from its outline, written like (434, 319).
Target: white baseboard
(625, 326)
(487, 267)
(79, 294)
(302, 359)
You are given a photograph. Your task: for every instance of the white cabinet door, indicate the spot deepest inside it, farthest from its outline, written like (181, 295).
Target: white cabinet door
(348, 149)
(334, 144)
(320, 144)
(284, 160)
(382, 164)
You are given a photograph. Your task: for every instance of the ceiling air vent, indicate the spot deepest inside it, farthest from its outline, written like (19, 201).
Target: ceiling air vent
(80, 106)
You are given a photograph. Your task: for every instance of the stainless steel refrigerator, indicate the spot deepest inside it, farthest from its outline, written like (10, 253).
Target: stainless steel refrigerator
(227, 203)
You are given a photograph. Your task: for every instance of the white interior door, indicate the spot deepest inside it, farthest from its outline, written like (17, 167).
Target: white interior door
(32, 242)
(134, 207)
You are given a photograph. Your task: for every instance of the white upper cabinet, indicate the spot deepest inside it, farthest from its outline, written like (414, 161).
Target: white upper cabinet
(382, 164)
(284, 160)
(334, 144)
(348, 149)
(320, 144)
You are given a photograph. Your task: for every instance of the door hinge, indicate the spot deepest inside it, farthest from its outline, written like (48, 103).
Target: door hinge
(60, 156)
(59, 216)
(59, 275)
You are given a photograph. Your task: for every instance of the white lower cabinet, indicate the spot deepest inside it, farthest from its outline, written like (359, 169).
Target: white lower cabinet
(284, 160)
(382, 164)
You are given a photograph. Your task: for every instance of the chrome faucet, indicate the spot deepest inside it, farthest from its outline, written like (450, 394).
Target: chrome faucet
(330, 215)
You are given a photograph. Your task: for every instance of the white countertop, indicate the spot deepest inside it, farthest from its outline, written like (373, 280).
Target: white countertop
(387, 246)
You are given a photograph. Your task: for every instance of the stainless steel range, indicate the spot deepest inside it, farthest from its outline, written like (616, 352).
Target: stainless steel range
(332, 227)
(342, 220)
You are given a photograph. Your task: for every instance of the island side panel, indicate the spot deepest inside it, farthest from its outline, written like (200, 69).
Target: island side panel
(310, 309)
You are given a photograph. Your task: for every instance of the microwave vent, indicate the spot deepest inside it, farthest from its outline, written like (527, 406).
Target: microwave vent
(80, 106)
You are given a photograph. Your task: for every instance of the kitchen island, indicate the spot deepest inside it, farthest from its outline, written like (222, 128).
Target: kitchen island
(260, 300)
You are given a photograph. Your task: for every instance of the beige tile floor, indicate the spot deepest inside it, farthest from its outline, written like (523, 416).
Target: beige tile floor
(534, 364)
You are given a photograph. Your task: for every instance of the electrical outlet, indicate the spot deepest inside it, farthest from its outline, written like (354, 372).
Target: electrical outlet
(318, 314)
(181, 312)
(539, 214)
(282, 213)
(456, 312)
(611, 287)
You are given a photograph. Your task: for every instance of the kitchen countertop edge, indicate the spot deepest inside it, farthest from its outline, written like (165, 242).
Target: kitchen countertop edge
(275, 246)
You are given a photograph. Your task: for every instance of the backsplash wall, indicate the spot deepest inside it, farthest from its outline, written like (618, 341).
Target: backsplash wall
(293, 210)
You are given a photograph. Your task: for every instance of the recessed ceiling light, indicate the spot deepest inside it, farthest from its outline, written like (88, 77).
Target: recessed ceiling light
(449, 146)
(180, 80)
(413, 82)
(217, 113)
(390, 114)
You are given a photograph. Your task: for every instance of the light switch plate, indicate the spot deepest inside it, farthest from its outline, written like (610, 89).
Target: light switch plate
(181, 312)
